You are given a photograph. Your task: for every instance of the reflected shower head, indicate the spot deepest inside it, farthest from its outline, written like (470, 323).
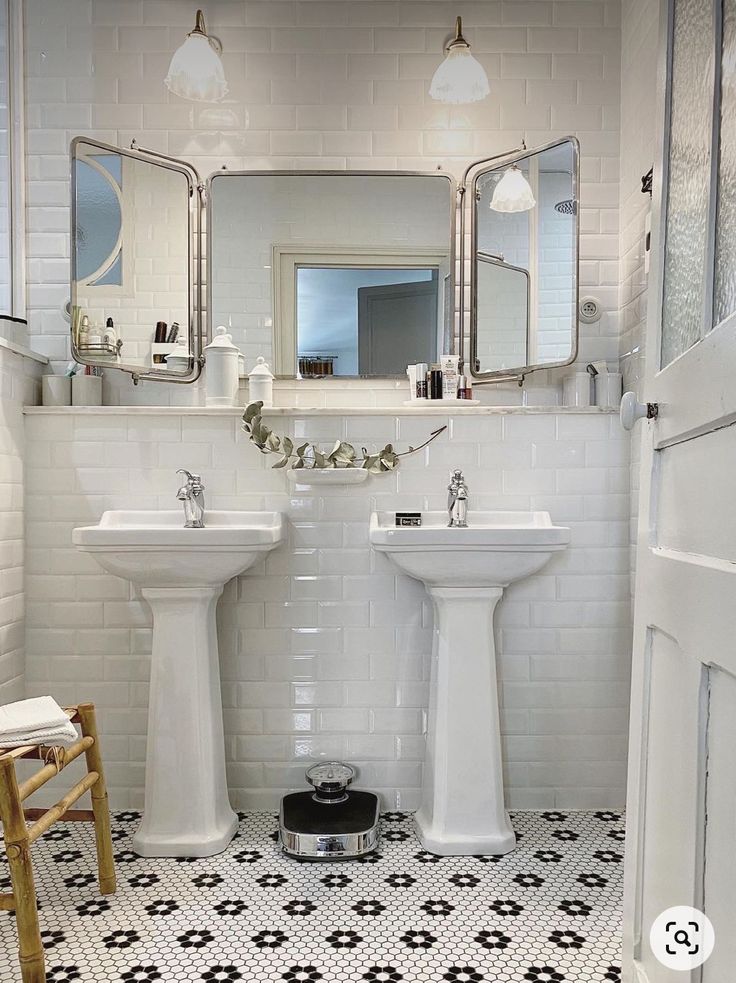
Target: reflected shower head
(567, 207)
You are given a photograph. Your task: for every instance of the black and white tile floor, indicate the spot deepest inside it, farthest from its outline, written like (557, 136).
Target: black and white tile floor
(547, 913)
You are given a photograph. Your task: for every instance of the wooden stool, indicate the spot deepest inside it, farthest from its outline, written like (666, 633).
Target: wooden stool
(19, 837)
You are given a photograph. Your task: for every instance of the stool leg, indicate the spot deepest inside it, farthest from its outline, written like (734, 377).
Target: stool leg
(18, 850)
(103, 839)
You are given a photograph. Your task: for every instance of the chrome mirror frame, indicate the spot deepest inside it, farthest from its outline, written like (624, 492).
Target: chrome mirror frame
(516, 374)
(194, 264)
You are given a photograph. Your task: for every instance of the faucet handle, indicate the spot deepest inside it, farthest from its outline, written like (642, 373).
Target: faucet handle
(457, 476)
(194, 480)
(190, 477)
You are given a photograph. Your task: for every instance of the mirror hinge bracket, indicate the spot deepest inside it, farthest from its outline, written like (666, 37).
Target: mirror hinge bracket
(202, 189)
(135, 377)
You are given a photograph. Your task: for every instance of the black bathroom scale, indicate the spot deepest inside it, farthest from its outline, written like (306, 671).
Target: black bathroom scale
(330, 822)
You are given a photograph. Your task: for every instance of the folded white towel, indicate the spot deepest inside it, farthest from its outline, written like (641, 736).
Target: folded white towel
(37, 721)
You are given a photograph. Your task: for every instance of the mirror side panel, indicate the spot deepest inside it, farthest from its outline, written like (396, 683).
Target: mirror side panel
(135, 262)
(524, 263)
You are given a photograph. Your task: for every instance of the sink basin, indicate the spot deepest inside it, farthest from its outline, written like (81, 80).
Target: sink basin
(465, 571)
(496, 549)
(155, 550)
(181, 573)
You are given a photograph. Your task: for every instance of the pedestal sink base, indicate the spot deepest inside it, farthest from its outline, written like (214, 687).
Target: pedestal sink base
(181, 572)
(187, 812)
(462, 810)
(195, 844)
(465, 571)
(444, 844)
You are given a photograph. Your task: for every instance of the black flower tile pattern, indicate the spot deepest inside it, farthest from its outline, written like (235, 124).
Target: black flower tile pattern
(547, 913)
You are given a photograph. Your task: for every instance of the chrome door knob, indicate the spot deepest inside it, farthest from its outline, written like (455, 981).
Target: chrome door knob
(632, 410)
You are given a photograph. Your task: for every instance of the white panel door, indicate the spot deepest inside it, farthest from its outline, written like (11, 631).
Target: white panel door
(681, 834)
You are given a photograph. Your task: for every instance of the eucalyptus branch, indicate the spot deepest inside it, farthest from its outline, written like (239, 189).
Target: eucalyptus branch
(307, 455)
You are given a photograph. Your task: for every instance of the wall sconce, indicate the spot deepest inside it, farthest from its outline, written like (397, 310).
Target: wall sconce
(196, 70)
(513, 193)
(460, 78)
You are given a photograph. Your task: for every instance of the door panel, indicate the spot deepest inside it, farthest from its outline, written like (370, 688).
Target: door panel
(671, 827)
(392, 326)
(681, 834)
(720, 858)
(690, 515)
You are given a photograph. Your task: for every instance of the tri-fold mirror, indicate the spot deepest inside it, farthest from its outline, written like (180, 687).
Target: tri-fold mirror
(326, 274)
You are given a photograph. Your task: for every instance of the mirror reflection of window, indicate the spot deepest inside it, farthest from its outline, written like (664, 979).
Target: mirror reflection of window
(99, 227)
(365, 321)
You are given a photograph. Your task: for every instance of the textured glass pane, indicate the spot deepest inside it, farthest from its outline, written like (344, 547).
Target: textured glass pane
(724, 300)
(689, 177)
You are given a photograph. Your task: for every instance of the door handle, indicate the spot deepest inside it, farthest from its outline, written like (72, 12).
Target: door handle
(632, 410)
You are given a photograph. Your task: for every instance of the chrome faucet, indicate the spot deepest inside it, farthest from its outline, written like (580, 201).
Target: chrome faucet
(192, 495)
(457, 500)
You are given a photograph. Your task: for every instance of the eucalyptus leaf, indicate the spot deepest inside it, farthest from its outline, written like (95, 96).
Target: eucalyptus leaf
(307, 456)
(252, 410)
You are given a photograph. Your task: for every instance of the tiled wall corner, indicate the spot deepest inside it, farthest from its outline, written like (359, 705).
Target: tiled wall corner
(19, 386)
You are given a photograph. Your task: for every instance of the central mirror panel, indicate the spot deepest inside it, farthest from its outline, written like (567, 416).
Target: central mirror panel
(333, 274)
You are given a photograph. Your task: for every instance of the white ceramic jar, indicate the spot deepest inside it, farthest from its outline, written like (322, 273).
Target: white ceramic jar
(178, 358)
(260, 383)
(221, 370)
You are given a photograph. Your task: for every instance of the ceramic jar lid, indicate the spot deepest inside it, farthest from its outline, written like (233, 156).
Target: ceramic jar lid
(260, 369)
(222, 341)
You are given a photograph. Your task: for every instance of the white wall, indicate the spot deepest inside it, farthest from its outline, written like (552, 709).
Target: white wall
(639, 127)
(335, 85)
(19, 385)
(324, 648)
(328, 85)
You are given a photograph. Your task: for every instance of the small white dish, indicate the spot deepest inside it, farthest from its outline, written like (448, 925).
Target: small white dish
(422, 403)
(327, 476)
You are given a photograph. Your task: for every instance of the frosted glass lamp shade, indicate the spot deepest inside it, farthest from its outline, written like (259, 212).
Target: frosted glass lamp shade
(460, 78)
(513, 193)
(196, 71)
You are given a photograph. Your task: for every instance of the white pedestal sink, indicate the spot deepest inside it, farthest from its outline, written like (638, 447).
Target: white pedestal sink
(181, 573)
(465, 572)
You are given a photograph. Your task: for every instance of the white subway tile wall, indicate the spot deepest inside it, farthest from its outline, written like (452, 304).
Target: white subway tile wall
(19, 386)
(328, 85)
(639, 127)
(324, 647)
